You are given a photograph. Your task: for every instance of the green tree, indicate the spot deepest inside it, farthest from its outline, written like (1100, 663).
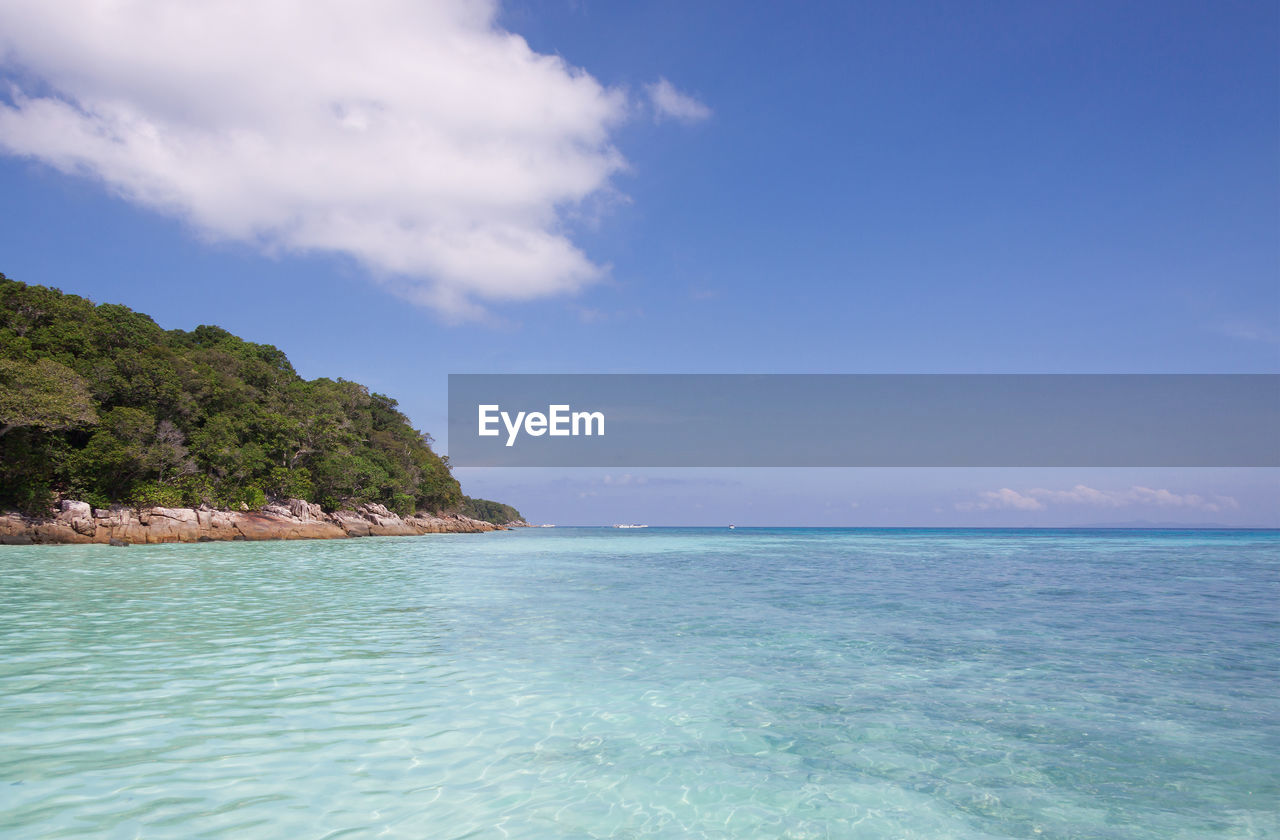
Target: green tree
(489, 511)
(44, 395)
(100, 403)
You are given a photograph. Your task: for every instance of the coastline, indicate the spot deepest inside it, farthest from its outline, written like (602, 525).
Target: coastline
(292, 519)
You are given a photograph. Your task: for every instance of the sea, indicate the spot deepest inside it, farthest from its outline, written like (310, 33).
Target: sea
(658, 682)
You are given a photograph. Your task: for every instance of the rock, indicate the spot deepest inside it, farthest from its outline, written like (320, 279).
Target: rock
(291, 519)
(53, 531)
(117, 543)
(184, 515)
(304, 510)
(351, 523)
(168, 525)
(76, 510)
(79, 516)
(269, 526)
(132, 532)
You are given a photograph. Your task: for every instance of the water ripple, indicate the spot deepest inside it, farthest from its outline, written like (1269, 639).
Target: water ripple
(666, 683)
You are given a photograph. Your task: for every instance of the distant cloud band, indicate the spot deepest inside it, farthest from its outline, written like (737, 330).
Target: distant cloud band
(1041, 499)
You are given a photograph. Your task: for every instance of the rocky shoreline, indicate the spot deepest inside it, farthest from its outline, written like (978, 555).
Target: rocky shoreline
(293, 519)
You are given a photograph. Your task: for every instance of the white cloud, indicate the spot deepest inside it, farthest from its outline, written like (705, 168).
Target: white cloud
(624, 480)
(1003, 498)
(669, 103)
(418, 138)
(1039, 498)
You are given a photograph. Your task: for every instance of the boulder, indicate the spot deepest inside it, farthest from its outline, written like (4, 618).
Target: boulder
(304, 510)
(77, 515)
(75, 510)
(351, 523)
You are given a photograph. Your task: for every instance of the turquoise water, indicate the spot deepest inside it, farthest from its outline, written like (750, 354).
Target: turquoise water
(672, 683)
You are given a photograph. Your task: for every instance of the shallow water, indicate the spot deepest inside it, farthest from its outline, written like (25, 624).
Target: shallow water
(663, 682)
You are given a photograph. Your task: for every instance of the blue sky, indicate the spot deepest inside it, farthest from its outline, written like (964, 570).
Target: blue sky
(692, 187)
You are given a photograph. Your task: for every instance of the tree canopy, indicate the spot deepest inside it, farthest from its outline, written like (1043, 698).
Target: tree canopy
(98, 403)
(488, 511)
(43, 394)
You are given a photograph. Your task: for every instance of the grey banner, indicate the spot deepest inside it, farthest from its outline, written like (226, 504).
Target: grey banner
(856, 420)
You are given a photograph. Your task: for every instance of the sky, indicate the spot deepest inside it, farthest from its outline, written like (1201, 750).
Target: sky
(393, 191)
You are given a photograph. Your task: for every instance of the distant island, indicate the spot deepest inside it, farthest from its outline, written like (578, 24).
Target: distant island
(495, 512)
(99, 406)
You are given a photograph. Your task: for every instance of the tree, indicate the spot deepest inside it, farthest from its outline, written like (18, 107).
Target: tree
(490, 511)
(43, 394)
(168, 453)
(189, 417)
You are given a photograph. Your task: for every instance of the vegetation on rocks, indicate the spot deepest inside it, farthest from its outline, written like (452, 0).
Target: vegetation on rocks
(487, 511)
(98, 403)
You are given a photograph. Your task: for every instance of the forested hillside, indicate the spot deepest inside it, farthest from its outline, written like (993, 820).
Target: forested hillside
(98, 403)
(487, 511)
